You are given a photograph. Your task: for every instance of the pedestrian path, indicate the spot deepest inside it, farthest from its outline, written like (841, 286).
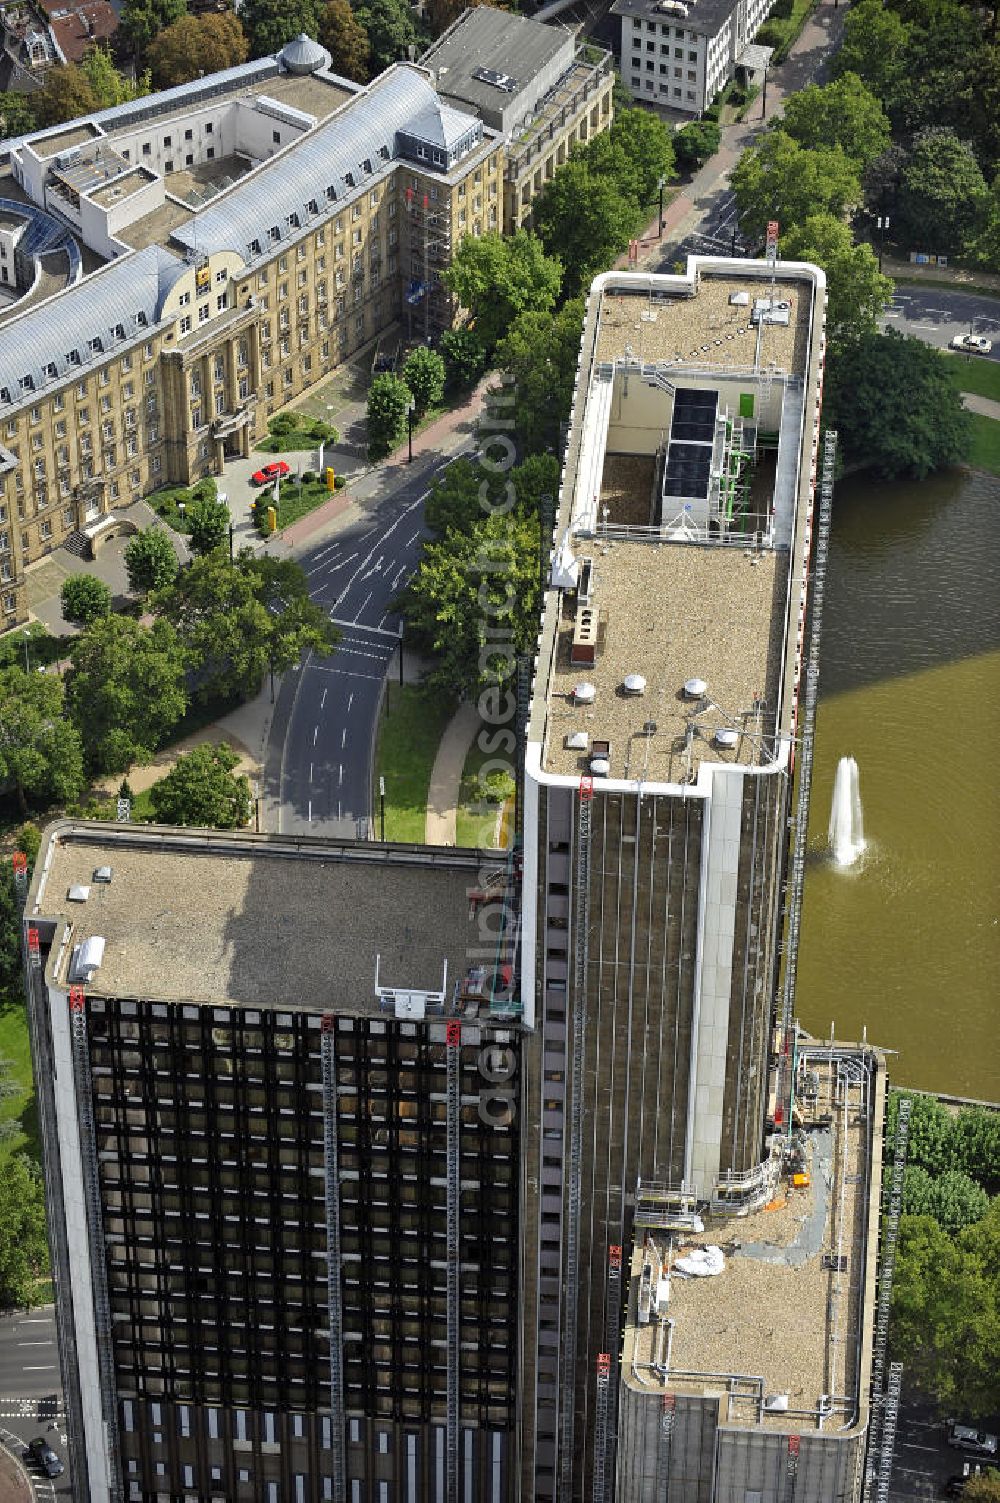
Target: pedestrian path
(985, 406)
(446, 776)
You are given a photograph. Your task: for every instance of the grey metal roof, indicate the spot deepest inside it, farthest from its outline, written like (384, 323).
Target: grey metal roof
(116, 305)
(303, 55)
(305, 182)
(515, 45)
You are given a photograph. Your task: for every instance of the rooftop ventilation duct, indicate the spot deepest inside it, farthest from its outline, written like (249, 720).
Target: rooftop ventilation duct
(584, 693)
(695, 688)
(103, 873)
(634, 685)
(726, 738)
(86, 959)
(79, 892)
(577, 741)
(600, 766)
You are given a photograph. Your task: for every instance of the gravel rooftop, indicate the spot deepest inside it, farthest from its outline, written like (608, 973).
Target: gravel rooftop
(250, 920)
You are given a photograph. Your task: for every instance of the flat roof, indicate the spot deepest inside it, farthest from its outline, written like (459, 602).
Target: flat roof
(711, 613)
(703, 16)
(797, 1281)
(674, 598)
(63, 140)
(483, 39)
(202, 916)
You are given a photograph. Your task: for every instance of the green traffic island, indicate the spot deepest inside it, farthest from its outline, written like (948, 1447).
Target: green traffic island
(291, 431)
(296, 498)
(414, 718)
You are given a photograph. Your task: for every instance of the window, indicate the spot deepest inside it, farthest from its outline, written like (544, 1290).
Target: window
(184, 299)
(186, 324)
(276, 137)
(204, 313)
(220, 302)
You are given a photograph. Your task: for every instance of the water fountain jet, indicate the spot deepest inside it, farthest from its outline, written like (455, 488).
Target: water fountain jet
(846, 834)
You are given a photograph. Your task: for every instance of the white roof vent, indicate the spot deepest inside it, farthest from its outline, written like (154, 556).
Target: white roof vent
(103, 873)
(634, 684)
(600, 766)
(739, 299)
(584, 693)
(695, 688)
(79, 892)
(86, 959)
(775, 1403)
(726, 738)
(577, 741)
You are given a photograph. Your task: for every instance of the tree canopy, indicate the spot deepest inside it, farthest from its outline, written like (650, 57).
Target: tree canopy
(390, 30)
(40, 753)
(233, 622)
(943, 199)
(202, 788)
(193, 45)
(858, 292)
(896, 409)
(83, 598)
(388, 403)
(585, 220)
(844, 113)
(95, 84)
(695, 142)
(473, 603)
(345, 39)
(208, 519)
(17, 114)
(143, 20)
(498, 277)
(24, 1249)
(423, 373)
(539, 352)
(125, 690)
(780, 179)
(269, 24)
(150, 560)
(647, 143)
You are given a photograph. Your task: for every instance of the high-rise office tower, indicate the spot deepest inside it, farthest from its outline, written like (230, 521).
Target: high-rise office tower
(276, 1088)
(664, 725)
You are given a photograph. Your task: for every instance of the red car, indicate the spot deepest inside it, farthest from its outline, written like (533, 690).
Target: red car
(270, 472)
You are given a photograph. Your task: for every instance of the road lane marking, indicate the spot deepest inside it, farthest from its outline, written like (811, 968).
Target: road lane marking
(360, 626)
(343, 737)
(340, 778)
(350, 701)
(361, 607)
(49, 1369)
(310, 811)
(36, 1343)
(315, 733)
(413, 539)
(310, 772)
(323, 700)
(388, 533)
(373, 678)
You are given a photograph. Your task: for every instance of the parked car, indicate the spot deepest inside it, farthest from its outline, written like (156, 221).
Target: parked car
(270, 472)
(40, 1452)
(974, 1442)
(972, 344)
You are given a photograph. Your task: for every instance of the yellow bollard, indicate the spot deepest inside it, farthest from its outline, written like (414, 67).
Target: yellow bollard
(272, 519)
(331, 479)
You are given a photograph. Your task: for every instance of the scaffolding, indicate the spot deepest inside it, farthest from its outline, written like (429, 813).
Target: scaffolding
(601, 1427)
(794, 902)
(881, 1435)
(95, 1236)
(20, 863)
(567, 1396)
(331, 1158)
(663, 1448)
(429, 225)
(453, 1043)
(607, 1379)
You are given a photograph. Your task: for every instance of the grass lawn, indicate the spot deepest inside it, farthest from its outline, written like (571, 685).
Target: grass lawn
(476, 824)
(20, 1107)
(985, 452)
(412, 726)
(973, 373)
(165, 502)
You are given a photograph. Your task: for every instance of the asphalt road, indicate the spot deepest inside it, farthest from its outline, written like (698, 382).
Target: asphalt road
(937, 314)
(321, 744)
(31, 1391)
(923, 1461)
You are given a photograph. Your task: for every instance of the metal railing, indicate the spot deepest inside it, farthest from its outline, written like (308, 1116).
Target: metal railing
(331, 1160)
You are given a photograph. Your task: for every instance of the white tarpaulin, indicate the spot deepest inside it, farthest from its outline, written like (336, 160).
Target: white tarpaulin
(701, 1263)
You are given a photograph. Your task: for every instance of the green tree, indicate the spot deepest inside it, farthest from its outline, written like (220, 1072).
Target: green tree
(142, 20)
(844, 113)
(125, 690)
(958, 1201)
(499, 276)
(345, 39)
(150, 560)
(269, 24)
(984, 248)
(539, 353)
(208, 519)
(465, 356)
(193, 45)
(874, 47)
(235, 622)
(983, 1488)
(24, 1249)
(202, 788)
(585, 220)
(388, 403)
(390, 30)
(779, 179)
(67, 94)
(110, 86)
(17, 114)
(83, 598)
(466, 583)
(896, 408)
(943, 199)
(40, 753)
(975, 1144)
(535, 477)
(929, 1140)
(858, 292)
(648, 145)
(423, 372)
(10, 933)
(696, 142)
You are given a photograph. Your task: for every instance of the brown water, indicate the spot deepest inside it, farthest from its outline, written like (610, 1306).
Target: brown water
(907, 941)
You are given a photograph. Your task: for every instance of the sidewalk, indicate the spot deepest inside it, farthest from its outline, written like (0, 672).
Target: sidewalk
(985, 406)
(984, 282)
(446, 776)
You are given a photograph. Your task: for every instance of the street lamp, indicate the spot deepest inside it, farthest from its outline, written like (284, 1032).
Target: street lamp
(27, 638)
(763, 107)
(882, 224)
(661, 183)
(409, 426)
(381, 808)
